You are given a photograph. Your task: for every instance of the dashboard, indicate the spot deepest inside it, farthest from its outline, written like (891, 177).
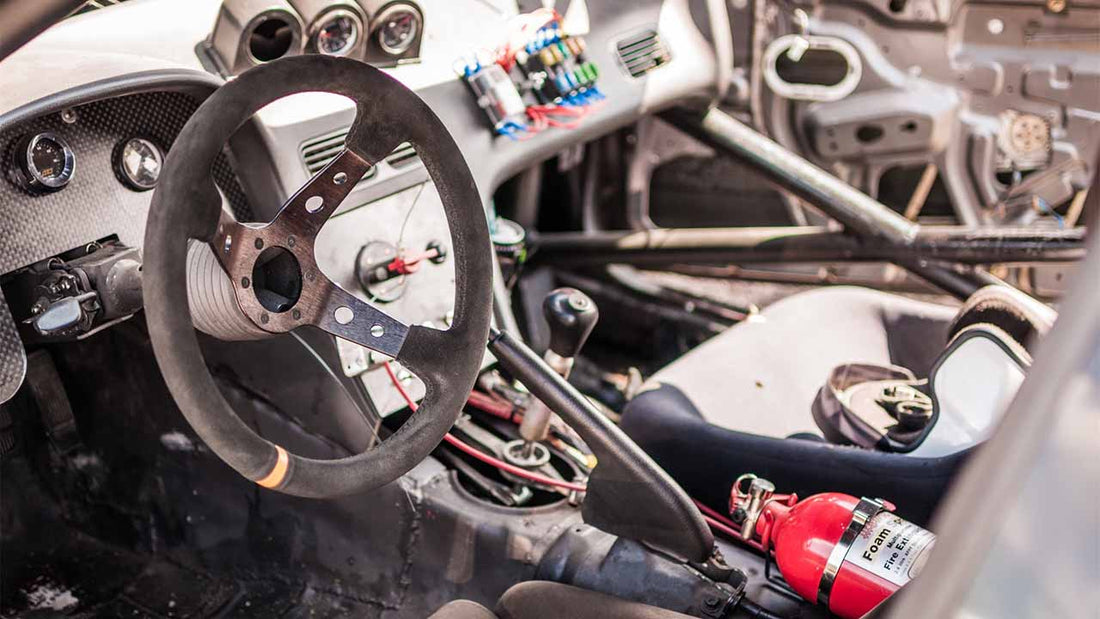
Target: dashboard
(81, 148)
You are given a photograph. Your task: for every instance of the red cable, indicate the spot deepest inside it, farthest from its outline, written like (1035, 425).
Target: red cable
(488, 404)
(713, 518)
(408, 266)
(718, 526)
(514, 470)
(486, 458)
(720, 523)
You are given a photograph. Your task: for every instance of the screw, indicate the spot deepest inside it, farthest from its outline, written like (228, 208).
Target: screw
(738, 515)
(264, 318)
(291, 241)
(244, 282)
(1056, 6)
(296, 314)
(259, 243)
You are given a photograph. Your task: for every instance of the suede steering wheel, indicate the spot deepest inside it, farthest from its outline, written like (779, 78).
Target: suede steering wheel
(187, 205)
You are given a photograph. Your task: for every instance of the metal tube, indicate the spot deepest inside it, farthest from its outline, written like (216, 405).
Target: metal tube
(809, 244)
(857, 211)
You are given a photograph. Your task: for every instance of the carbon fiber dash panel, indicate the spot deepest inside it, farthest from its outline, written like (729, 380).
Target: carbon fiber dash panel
(96, 204)
(13, 359)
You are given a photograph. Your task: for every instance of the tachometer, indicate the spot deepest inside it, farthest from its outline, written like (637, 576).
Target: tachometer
(398, 28)
(337, 32)
(44, 162)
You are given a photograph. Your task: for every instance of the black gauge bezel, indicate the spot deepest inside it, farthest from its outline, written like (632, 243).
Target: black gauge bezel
(291, 20)
(30, 177)
(380, 19)
(327, 17)
(120, 167)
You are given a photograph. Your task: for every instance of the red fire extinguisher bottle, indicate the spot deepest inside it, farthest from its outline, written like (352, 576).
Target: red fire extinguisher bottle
(845, 553)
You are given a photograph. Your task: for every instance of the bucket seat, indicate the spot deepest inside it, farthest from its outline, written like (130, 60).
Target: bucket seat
(744, 401)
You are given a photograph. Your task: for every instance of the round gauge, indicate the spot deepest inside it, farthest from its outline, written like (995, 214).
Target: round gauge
(45, 162)
(337, 32)
(139, 162)
(399, 26)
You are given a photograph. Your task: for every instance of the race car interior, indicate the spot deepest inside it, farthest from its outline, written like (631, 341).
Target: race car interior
(513, 308)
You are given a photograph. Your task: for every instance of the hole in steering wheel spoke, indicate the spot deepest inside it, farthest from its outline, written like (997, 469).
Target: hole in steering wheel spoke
(314, 204)
(343, 315)
(277, 280)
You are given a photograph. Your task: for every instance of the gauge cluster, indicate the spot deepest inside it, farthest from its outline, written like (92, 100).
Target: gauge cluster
(80, 174)
(252, 32)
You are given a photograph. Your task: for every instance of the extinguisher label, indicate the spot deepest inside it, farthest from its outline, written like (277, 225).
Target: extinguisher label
(891, 548)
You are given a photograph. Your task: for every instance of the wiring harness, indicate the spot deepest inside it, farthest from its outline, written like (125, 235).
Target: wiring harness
(540, 78)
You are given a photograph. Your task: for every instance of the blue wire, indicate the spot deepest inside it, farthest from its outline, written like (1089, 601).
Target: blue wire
(1044, 207)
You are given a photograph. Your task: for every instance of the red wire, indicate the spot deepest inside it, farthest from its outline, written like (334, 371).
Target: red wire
(514, 470)
(487, 404)
(718, 526)
(487, 459)
(720, 523)
(492, 406)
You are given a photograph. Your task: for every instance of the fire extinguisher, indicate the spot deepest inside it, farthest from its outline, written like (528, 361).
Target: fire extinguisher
(844, 553)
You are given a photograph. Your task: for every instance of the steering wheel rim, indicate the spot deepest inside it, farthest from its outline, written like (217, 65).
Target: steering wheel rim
(186, 205)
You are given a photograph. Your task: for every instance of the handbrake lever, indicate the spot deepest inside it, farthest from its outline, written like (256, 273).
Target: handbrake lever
(628, 494)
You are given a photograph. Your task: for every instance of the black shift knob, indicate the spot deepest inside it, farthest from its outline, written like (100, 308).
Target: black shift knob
(572, 316)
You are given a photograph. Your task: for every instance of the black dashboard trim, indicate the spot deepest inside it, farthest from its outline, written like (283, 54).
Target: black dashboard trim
(176, 80)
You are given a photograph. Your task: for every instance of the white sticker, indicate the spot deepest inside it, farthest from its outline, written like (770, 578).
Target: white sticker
(891, 548)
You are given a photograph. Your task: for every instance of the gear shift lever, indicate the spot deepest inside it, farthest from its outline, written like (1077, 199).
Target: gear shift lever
(572, 316)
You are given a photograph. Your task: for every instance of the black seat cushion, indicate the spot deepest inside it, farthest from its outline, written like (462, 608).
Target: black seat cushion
(551, 600)
(706, 459)
(463, 609)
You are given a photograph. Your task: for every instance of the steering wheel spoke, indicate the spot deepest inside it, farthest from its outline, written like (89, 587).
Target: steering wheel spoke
(306, 212)
(349, 317)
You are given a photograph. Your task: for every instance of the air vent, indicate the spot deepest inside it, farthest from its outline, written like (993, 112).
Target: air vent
(318, 152)
(402, 156)
(642, 52)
